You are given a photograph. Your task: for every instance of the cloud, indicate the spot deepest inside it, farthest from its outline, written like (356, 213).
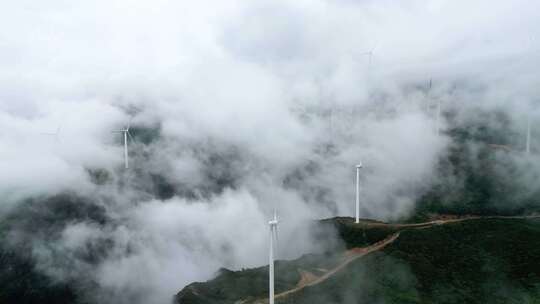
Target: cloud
(239, 108)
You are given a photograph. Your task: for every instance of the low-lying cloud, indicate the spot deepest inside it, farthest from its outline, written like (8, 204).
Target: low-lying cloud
(236, 109)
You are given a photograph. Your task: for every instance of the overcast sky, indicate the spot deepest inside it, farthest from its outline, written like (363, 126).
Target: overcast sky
(280, 98)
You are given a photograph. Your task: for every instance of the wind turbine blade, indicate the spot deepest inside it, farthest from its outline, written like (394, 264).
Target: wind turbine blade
(375, 46)
(130, 137)
(129, 123)
(276, 231)
(528, 142)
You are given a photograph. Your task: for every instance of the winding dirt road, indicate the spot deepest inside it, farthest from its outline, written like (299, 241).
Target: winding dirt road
(444, 220)
(349, 256)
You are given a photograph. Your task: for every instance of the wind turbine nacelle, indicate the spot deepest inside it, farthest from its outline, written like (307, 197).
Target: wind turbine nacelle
(359, 166)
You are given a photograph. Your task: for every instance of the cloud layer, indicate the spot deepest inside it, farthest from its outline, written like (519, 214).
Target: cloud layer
(237, 108)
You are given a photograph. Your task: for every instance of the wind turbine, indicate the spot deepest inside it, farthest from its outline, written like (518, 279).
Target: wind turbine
(370, 55)
(528, 144)
(428, 95)
(358, 167)
(126, 133)
(55, 134)
(273, 242)
(331, 112)
(438, 109)
(438, 117)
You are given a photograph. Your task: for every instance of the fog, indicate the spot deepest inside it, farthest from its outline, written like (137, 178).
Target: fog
(237, 109)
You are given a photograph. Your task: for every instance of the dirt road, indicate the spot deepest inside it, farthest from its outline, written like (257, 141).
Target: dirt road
(349, 256)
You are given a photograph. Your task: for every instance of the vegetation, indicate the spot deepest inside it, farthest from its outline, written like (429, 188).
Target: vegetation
(41, 219)
(362, 234)
(473, 261)
(21, 283)
(250, 284)
(484, 172)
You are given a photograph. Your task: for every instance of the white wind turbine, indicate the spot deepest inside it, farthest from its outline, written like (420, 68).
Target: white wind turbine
(438, 118)
(369, 53)
(56, 134)
(437, 114)
(273, 243)
(126, 133)
(528, 143)
(358, 167)
(438, 109)
(528, 136)
(428, 95)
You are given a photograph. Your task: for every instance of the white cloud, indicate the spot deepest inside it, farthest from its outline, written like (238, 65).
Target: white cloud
(242, 93)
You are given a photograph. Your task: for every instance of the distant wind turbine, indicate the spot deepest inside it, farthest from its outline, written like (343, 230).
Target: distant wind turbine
(55, 134)
(528, 144)
(438, 109)
(273, 243)
(428, 95)
(358, 167)
(370, 55)
(438, 118)
(331, 120)
(438, 113)
(126, 134)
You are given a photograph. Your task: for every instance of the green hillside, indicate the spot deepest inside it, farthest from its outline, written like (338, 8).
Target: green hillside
(472, 261)
(484, 171)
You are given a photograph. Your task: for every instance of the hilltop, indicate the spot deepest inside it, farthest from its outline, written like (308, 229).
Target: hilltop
(467, 260)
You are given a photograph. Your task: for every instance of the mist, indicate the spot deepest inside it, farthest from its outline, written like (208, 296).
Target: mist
(237, 109)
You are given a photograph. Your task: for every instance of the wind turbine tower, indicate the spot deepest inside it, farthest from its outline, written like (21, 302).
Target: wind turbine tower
(528, 144)
(438, 109)
(428, 95)
(55, 134)
(126, 134)
(273, 242)
(369, 53)
(438, 118)
(370, 56)
(358, 167)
